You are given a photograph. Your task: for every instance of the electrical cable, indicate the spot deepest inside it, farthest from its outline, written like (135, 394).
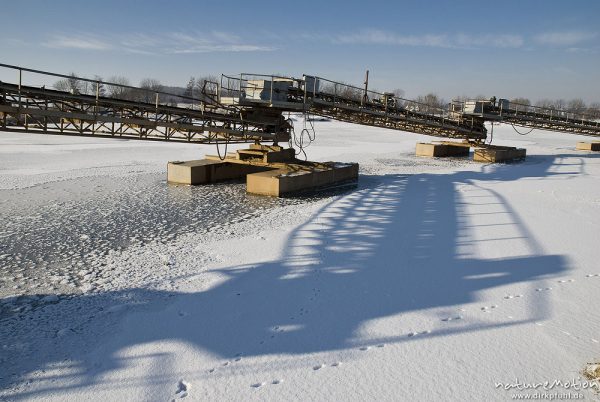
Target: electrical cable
(218, 150)
(517, 131)
(306, 136)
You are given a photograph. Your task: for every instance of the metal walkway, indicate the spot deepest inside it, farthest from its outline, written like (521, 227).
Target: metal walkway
(528, 116)
(41, 110)
(339, 101)
(250, 108)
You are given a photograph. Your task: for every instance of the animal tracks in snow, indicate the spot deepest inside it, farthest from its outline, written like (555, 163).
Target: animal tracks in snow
(416, 333)
(257, 385)
(183, 388)
(455, 318)
(323, 365)
(446, 319)
(487, 309)
(236, 358)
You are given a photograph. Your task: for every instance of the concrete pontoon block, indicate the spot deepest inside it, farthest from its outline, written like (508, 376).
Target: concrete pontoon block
(498, 154)
(288, 180)
(441, 150)
(588, 146)
(207, 171)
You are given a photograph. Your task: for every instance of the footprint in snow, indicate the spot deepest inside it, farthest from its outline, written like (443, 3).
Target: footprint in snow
(543, 289)
(318, 367)
(508, 297)
(486, 309)
(257, 385)
(277, 381)
(336, 364)
(411, 334)
(183, 388)
(365, 348)
(591, 275)
(567, 280)
(458, 317)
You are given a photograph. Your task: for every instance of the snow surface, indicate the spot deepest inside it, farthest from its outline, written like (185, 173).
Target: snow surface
(433, 279)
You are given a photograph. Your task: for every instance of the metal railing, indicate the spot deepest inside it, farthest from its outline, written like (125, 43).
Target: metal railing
(92, 87)
(388, 101)
(516, 109)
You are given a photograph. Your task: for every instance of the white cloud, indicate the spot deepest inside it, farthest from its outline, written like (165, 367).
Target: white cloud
(565, 38)
(223, 48)
(373, 36)
(213, 42)
(77, 42)
(483, 40)
(379, 37)
(166, 43)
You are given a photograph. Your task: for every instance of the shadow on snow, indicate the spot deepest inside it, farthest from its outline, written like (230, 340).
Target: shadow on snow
(396, 245)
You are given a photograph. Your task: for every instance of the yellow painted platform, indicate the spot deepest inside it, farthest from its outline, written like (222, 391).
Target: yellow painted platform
(271, 171)
(295, 178)
(494, 154)
(207, 171)
(442, 149)
(588, 146)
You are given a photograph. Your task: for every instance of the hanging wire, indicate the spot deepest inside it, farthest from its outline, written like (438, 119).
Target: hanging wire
(517, 131)
(491, 134)
(218, 150)
(306, 136)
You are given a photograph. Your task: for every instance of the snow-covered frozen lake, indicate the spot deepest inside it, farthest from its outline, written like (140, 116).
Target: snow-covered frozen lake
(433, 279)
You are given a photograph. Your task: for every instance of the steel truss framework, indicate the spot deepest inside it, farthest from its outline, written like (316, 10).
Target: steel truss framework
(548, 121)
(40, 110)
(372, 112)
(213, 120)
(398, 119)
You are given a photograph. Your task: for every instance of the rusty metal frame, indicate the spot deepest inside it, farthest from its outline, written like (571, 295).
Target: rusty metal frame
(40, 110)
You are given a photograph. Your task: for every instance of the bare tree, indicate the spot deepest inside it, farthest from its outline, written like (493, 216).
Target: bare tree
(521, 101)
(116, 91)
(576, 106)
(430, 103)
(190, 88)
(206, 85)
(593, 110)
(398, 93)
(97, 86)
(560, 104)
(148, 89)
(546, 103)
(71, 84)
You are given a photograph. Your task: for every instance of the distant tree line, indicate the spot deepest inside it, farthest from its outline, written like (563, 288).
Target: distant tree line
(116, 87)
(203, 86)
(577, 105)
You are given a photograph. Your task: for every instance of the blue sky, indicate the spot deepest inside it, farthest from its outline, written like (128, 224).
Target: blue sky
(535, 49)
